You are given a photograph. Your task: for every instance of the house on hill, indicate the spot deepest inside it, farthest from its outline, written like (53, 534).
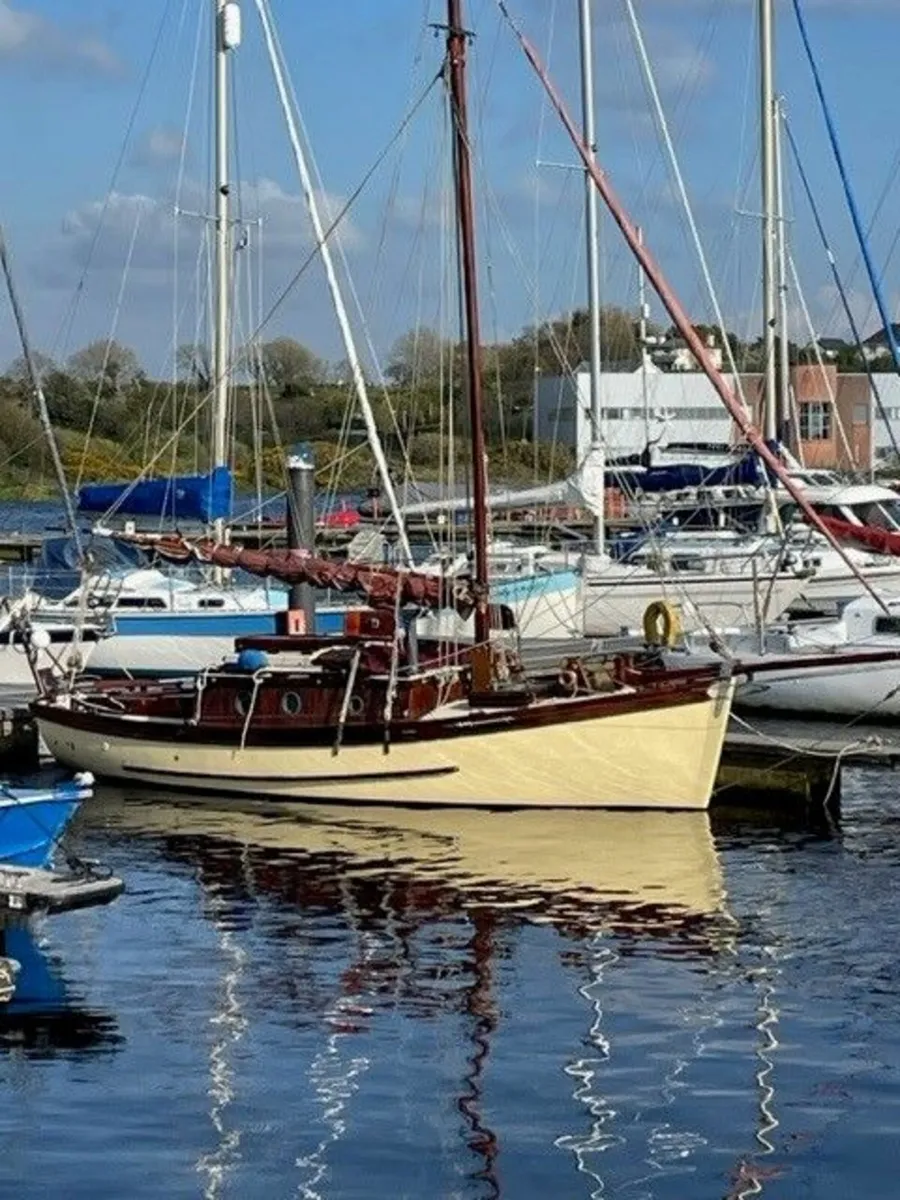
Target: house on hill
(877, 345)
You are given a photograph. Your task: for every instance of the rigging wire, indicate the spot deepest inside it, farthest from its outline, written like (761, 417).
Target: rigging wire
(107, 350)
(297, 133)
(855, 217)
(202, 402)
(179, 187)
(65, 329)
(543, 111)
(345, 208)
(836, 276)
(820, 362)
(672, 155)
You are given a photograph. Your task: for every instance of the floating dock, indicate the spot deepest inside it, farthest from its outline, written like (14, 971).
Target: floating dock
(760, 765)
(20, 547)
(26, 890)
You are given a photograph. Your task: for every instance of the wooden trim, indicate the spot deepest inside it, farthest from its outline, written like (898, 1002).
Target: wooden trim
(667, 692)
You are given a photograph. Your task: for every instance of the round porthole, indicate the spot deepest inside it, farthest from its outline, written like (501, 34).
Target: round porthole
(242, 703)
(291, 704)
(356, 706)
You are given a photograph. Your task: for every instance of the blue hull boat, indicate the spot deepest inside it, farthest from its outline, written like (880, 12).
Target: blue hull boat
(33, 819)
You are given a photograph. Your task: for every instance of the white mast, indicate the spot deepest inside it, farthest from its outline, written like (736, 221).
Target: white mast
(597, 463)
(767, 169)
(227, 38)
(784, 364)
(359, 379)
(643, 315)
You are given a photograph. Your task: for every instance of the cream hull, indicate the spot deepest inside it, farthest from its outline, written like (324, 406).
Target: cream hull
(655, 758)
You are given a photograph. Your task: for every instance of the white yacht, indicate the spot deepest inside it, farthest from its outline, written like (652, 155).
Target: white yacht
(847, 683)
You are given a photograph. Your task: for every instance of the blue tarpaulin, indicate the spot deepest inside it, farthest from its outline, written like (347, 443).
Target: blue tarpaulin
(183, 497)
(748, 470)
(58, 568)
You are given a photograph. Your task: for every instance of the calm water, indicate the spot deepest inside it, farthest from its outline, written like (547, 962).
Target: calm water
(351, 1004)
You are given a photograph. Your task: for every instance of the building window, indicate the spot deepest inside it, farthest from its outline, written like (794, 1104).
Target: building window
(815, 421)
(860, 414)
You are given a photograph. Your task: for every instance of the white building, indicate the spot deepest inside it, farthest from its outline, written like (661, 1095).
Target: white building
(662, 408)
(888, 385)
(639, 407)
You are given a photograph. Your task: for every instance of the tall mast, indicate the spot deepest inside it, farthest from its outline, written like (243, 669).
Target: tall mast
(643, 314)
(227, 38)
(767, 181)
(593, 257)
(678, 315)
(457, 39)
(784, 362)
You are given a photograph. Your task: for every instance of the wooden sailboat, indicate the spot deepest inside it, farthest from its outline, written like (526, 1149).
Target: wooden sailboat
(376, 717)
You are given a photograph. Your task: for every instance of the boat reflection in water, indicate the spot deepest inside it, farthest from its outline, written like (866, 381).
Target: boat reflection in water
(41, 1016)
(650, 871)
(428, 905)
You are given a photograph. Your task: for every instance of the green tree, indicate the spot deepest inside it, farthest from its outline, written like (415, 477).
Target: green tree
(193, 361)
(288, 369)
(18, 368)
(107, 366)
(419, 356)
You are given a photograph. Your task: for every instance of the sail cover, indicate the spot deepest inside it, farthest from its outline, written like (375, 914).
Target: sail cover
(182, 497)
(746, 471)
(382, 587)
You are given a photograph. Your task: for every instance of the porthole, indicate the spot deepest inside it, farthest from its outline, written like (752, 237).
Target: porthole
(291, 704)
(242, 703)
(356, 706)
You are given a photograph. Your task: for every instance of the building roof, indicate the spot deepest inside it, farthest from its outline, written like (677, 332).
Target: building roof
(880, 338)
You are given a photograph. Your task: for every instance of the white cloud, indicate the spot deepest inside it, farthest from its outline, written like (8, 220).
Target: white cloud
(26, 36)
(159, 147)
(99, 233)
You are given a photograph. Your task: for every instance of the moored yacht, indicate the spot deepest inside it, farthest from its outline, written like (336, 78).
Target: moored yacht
(376, 716)
(364, 719)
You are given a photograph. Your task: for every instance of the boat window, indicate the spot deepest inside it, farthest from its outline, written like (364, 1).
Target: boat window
(356, 706)
(834, 511)
(291, 704)
(140, 602)
(242, 703)
(211, 602)
(891, 511)
(874, 514)
(887, 624)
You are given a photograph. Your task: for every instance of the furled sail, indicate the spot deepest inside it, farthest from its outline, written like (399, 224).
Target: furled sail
(202, 498)
(746, 471)
(382, 587)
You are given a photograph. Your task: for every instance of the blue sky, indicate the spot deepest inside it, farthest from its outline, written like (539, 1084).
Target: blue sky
(93, 144)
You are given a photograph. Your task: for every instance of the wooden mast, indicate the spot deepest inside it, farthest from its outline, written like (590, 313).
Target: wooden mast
(457, 39)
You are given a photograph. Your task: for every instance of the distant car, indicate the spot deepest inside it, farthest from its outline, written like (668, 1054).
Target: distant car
(344, 517)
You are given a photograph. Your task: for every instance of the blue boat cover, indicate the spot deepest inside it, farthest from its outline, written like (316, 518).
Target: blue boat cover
(184, 497)
(747, 470)
(58, 568)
